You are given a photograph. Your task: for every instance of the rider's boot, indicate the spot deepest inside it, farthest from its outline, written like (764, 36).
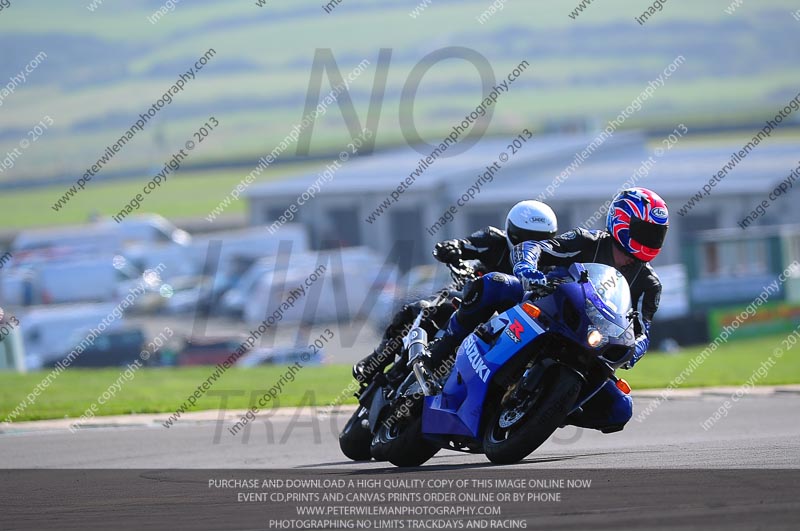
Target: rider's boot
(391, 345)
(607, 411)
(380, 358)
(444, 347)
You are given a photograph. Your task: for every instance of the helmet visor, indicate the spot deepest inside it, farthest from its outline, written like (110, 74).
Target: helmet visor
(648, 234)
(517, 235)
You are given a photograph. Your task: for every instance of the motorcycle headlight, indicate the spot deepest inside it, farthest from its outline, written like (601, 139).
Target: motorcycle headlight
(603, 325)
(595, 339)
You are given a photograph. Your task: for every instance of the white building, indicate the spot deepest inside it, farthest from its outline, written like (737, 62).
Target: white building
(341, 207)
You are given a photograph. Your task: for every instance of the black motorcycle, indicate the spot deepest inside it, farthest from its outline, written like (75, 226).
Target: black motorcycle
(432, 316)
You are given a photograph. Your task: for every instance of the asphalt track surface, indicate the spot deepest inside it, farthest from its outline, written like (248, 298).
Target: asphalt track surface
(673, 473)
(758, 432)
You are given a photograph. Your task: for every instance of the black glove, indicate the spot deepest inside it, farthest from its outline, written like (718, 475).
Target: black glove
(448, 252)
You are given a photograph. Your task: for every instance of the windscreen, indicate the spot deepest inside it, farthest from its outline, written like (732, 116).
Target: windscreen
(611, 287)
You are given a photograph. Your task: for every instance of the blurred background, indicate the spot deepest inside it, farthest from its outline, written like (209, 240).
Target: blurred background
(211, 261)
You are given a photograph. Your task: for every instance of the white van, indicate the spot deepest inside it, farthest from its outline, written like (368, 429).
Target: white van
(235, 299)
(47, 333)
(347, 289)
(251, 243)
(101, 237)
(84, 280)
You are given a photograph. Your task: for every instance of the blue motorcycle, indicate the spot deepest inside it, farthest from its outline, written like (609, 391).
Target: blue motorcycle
(516, 378)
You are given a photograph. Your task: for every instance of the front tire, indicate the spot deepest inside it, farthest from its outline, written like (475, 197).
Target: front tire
(508, 440)
(355, 439)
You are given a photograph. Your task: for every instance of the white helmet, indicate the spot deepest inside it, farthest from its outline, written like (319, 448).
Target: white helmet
(530, 220)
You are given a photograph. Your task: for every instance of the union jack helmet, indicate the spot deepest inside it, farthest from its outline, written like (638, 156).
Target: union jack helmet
(638, 219)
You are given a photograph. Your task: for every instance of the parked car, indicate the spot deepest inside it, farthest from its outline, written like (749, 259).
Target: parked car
(208, 350)
(115, 348)
(234, 300)
(192, 294)
(282, 355)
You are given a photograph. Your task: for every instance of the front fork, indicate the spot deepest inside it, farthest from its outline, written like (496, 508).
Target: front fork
(374, 396)
(532, 378)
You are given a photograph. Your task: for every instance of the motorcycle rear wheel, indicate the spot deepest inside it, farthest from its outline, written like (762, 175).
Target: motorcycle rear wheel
(402, 443)
(355, 439)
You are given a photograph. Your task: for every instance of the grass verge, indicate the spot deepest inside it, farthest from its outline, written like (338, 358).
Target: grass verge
(163, 390)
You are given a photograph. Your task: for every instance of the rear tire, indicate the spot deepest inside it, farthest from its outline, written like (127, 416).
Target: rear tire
(513, 443)
(401, 442)
(355, 439)
(403, 446)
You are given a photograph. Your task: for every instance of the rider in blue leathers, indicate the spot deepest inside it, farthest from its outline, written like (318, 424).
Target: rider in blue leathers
(636, 226)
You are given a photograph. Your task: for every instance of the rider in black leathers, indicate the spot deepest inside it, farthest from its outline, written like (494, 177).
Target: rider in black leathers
(526, 221)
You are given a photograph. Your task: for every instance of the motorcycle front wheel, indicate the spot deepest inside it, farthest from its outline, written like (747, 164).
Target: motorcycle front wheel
(513, 433)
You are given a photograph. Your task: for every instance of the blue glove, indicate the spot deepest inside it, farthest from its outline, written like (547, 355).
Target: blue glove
(529, 277)
(630, 363)
(638, 351)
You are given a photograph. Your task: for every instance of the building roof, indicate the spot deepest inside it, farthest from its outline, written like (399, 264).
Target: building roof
(679, 172)
(383, 171)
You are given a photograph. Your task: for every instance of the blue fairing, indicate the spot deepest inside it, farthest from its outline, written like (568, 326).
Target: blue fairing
(458, 409)
(573, 309)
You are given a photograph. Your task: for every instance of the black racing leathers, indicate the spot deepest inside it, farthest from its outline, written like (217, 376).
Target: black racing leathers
(490, 247)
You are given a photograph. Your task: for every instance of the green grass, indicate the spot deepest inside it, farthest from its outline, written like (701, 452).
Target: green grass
(112, 64)
(190, 194)
(163, 390)
(730, 365)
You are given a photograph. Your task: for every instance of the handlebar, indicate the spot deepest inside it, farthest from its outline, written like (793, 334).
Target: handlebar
(461, 273)
(554, 279)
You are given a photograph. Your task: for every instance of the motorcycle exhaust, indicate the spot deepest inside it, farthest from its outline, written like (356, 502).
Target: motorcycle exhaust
(417, 344)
